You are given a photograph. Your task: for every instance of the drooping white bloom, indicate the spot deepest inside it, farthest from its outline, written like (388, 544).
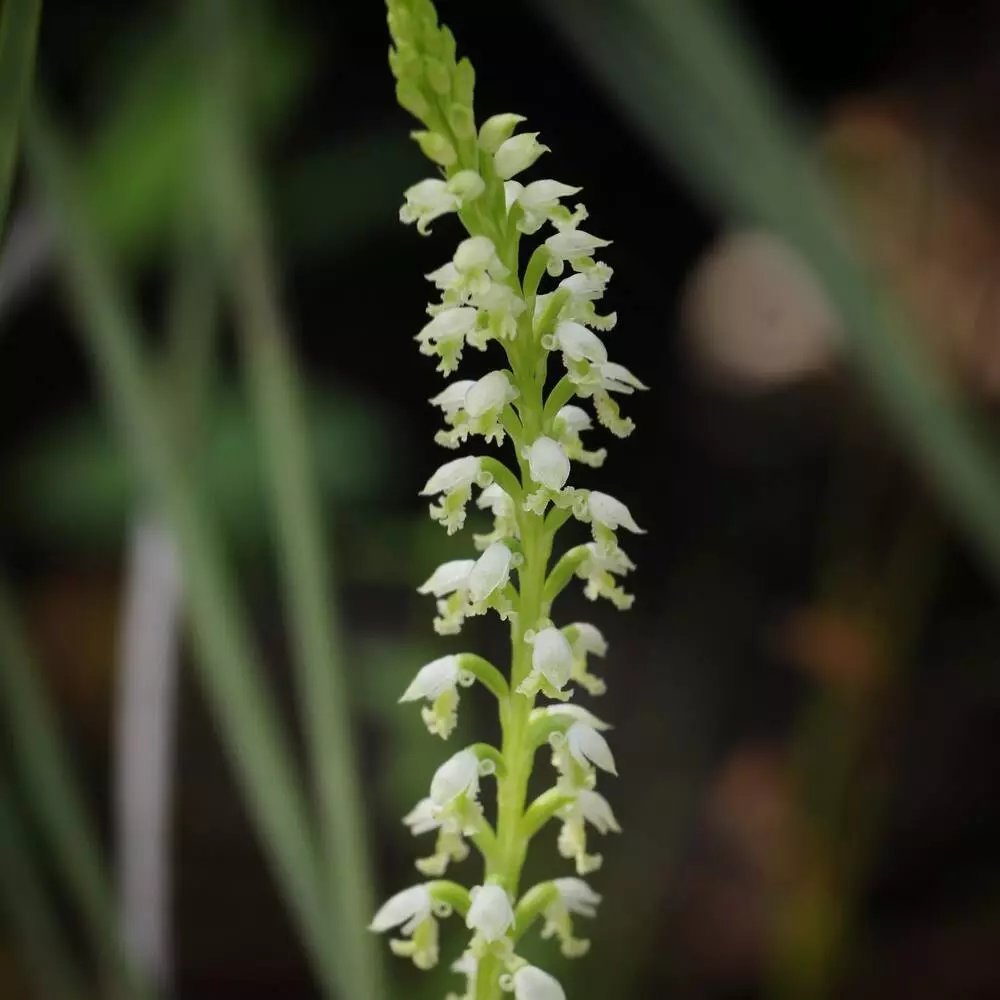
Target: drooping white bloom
(485, 402)
(423, 817)
(575, 246)
(576, 898)
(412, 910)
(458, 775)
(540, 203)
(451, 399)
(446, 335)
(490, 573)
(516, 154)
(499, 503)
(469, 275)
(589, 748)
(447, 578)
(548, 464)
(429, 199)
(588, 807)
(578, 344)
(586, 640)
(577, 713)
(451, 824)
(437, 682)
(490, 914)
(551, 662)
(454, 480)
(606, 515)
(531, 983)
(569, 424)
(599, 569)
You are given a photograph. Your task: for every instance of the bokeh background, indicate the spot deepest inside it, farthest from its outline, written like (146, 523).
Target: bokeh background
(806, 694)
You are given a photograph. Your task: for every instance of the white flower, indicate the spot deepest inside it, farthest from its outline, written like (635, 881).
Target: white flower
(412, 910)
(446, 334)
(467, 965)
(429, 199)
(575, 246)
(454, 480)
(490, 573)
(452, 398)
(578, 714)
(599, 569)
(540, 203)
(478, 412)
(451, 823)
(548, 464)
(589, 748)
(458, 775)
(530, 983)
(577, 343)
(517, 154)
(573, 418)
(576, 898)
(490, 914)
(470, 274)
(437, 682)
(448, 578)
(423, 817)
(588, 807)
(569, 423)
(551, 662)
(586, 640)
(617, 378)
(496, 130)
(606, 516)
(502, 507)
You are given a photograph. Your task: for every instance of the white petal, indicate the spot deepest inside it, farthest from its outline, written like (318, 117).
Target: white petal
(574, 418)
(452, 398)
(456, 775)
(552, 657)
(491, 392)
(422, 818)
(573, 243)
(579, 343)
(404, 906)
(612, 513)
(495, 499)
(516, 154)
(475, 252)
(511, 192)
(433, 679)
(490, 913)
(539, 195)
(617, 378)
(496, 129)
(448, 578)
(452, 475)
(579, 714)
(530, 983)
(456, 322)
(588, 746)
(589, 639)
(548, 463)
(491, 572)
(589, 286)
(578, 896)
(597, 811)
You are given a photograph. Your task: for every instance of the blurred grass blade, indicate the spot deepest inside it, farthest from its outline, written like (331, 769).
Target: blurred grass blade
(304, 555)
(700, 96)
(18, 37)
(229, 667)
(60, 813)
(42, 942)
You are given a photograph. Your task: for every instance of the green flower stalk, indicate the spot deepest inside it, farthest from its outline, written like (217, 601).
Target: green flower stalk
(489, 302)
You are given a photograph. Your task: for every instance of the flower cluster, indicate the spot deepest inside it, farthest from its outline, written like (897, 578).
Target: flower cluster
(486, 300)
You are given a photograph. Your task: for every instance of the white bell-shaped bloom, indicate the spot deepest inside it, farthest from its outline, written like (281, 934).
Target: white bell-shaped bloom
(448, 577)
(577, 343)
(423, 817)
(551, 662)
(531, 983)
(575, 246)
(587, 641)
(499, 503)
(516, 154)
(454, 480)
(458, 775)
(490, 394)
(445, 336)
(490, 914)
(577, 713)
(617, 378)
(412, 910)
(570, 422)
(496, 130)
(596, 810)
(598, 571)
(452, 398)
(589, 748)
(588, 807)
(437, 682)
(469, 275)
(576, 898)
(490, 573)
(479, 411)
(429, 199)
(573, 418)
(540, 203)
(606, 516)
(548, 464)
(450, 823)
